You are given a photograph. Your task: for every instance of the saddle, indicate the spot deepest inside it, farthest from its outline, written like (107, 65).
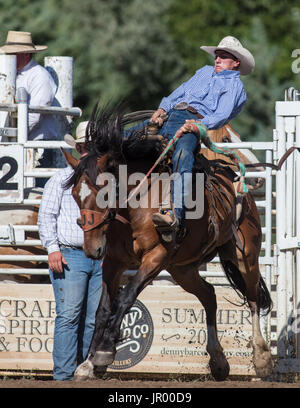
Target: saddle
(172, 232)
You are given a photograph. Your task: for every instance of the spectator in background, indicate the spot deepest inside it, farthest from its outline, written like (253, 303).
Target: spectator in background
(40, 87)
(37, 81)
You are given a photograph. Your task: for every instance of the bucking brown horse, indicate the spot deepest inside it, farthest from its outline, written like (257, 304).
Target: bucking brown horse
(125, 237)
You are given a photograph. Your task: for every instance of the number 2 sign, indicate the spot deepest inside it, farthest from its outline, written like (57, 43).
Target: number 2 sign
(11, 173)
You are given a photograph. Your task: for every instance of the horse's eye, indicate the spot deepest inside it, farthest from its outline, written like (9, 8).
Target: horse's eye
(79, 222)
(226, 139)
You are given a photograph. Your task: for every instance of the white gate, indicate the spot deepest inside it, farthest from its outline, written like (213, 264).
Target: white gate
(17, 154)
(286, 135)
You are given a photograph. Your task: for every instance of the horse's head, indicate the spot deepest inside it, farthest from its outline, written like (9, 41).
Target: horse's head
(96, 173)
(86, 183)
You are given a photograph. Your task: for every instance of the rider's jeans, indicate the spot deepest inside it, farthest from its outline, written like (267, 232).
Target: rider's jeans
(183, 156)
(77, 294)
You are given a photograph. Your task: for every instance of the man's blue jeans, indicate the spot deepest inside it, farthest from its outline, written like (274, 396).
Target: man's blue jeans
(182, 159)
(183, 156)
(77, 294)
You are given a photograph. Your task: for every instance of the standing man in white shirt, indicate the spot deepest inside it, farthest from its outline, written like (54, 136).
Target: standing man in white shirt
(37, 81)
(40, 87)
(76, 279)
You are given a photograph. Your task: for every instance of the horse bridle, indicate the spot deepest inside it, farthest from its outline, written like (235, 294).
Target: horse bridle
(91, 219)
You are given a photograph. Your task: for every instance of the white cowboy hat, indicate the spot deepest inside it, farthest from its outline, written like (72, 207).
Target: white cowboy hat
(80, 135)
(20, 42)
(232, 45)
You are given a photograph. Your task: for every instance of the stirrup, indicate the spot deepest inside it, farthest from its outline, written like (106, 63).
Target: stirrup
(239, 194)
(181, 233)
(238, 208)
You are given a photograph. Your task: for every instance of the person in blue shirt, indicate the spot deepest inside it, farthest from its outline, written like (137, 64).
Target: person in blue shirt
(213, 97)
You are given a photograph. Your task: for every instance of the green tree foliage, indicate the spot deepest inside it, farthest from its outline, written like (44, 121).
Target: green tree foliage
(200, 22)
(121, 50)
(141, 50)
(268, 28)
(263, 88)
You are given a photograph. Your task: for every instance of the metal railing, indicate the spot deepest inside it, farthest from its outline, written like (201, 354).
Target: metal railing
(266, 205)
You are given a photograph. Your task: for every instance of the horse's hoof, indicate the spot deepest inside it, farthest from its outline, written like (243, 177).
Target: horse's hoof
(264, 372)
(103, 358)
(263, 364)
(84, 371)
(219, 367)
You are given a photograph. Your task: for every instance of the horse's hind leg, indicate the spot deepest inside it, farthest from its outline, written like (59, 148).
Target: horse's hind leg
(262, 358)
(189, 279)
(257, 294)
(243, 269)
(247, 279)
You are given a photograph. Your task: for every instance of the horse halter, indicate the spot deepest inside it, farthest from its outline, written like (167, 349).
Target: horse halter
(93, 219)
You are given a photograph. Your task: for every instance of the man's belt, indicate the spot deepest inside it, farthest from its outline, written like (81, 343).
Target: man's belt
(185, 106)
(71, 246)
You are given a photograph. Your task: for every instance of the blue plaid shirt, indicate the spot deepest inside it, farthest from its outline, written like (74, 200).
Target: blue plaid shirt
(58, 214)
(217, 97)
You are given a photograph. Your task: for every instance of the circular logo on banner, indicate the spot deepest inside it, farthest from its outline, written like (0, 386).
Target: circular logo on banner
(136, 336)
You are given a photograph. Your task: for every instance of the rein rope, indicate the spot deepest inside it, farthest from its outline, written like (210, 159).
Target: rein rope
(210, 145)
(93, 219)
(226, 151)
(167, 148)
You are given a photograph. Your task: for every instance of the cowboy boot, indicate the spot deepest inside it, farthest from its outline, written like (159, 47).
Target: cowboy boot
(165, 220)
(166, 224)
(170, 227)
(181, 231)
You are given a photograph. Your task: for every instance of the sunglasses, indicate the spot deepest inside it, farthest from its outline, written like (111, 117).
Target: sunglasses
(226, 56)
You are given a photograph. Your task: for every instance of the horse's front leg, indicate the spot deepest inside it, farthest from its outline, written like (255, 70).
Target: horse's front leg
(112, 272)
(150, 267)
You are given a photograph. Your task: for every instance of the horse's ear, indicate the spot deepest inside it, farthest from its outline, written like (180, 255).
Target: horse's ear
(103, 162)
(69, 158)
(106, 163)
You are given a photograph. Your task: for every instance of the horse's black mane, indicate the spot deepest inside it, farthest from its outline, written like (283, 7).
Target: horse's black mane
(105, 135)
(86, 165)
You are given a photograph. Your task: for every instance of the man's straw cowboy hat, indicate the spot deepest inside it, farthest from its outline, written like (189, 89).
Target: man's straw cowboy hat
(234, 47)
(80, 135)
(20, 42)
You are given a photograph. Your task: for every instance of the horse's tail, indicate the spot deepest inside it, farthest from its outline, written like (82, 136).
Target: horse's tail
(237, 282)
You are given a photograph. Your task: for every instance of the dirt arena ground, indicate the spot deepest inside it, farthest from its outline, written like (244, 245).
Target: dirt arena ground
(147, 393)
(124, 384)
